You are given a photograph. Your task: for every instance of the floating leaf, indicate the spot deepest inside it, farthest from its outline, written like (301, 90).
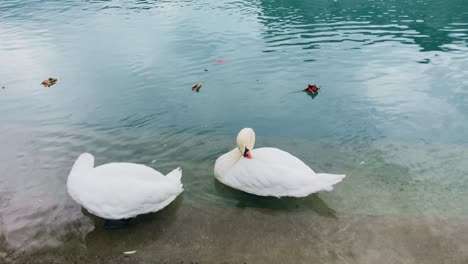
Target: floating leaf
(312, 89)
(196, 87)
(49, 82)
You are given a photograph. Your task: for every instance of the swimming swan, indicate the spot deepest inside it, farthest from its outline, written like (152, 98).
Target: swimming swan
(269, 171)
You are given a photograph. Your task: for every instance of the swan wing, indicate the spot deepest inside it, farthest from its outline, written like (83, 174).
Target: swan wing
(123, 190)
(273, 172)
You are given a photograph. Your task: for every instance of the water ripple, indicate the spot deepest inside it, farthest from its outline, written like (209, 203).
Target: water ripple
(391, 112)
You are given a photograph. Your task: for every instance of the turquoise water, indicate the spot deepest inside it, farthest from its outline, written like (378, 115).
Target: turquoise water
(392, 112)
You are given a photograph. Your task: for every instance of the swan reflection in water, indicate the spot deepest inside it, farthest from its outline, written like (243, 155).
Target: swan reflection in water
(245, 200)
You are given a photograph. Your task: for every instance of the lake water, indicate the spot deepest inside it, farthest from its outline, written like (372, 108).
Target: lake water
(392, 114)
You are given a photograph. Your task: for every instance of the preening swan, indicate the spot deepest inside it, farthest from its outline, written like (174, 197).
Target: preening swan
(269, 171)
(121, 190)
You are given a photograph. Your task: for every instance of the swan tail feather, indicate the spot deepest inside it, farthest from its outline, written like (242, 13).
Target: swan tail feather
(330, 179)
(175, 175)
(83, 164)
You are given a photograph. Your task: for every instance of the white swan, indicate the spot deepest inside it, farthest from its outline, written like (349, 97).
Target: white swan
(121, 190)
(269, 171)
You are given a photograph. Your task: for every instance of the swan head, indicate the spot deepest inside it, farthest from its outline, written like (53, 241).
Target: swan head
(245, 142)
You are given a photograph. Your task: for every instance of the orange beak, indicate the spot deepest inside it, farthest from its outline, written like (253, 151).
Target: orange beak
(248, 155)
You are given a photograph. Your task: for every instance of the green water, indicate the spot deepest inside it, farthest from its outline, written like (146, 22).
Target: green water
(392, 112)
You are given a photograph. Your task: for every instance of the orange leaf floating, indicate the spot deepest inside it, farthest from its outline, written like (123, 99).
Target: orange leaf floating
(219, 61)
(196, 87)
(311, 89)
(49, 82)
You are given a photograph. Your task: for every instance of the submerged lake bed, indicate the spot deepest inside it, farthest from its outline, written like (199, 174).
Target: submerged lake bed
(391, 114)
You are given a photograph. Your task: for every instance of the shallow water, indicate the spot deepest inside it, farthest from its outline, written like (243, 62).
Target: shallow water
(391, 112)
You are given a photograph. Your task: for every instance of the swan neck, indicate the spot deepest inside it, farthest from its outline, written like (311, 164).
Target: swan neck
(235, 154)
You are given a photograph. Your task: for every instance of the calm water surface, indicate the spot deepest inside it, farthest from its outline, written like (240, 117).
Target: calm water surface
(392, 112)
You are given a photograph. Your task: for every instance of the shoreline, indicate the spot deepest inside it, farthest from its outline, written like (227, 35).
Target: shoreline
(184, 234)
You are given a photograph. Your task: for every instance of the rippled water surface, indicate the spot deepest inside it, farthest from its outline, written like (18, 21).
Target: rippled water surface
(392, 112)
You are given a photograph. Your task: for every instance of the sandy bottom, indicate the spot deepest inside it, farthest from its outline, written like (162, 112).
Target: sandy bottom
(183, 234)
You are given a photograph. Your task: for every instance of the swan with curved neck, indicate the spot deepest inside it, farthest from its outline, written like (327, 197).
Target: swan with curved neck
(269, 171)
(245, 142)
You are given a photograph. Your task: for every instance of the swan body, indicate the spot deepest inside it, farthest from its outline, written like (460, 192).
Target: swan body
(269, 171)
(121, 190)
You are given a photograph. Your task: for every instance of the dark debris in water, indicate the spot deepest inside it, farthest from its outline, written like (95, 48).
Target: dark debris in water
(116, 224)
